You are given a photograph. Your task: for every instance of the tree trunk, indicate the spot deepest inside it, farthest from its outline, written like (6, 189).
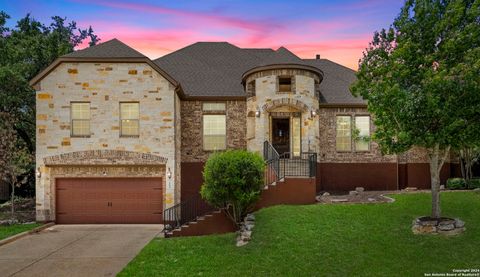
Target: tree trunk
(12, 198)
(436, 162)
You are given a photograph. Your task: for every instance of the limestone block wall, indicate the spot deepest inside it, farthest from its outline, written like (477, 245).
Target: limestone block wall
(104, 85)
(303, 98)
(192, 126)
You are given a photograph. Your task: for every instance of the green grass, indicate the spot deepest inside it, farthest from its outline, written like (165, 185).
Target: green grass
(326, 240)
(7, 231)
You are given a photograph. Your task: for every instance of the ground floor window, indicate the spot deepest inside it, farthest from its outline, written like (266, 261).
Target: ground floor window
(214, 132)
(344, 133)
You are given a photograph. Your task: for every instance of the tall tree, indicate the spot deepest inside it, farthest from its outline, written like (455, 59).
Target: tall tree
(24, 51)
(421, 78)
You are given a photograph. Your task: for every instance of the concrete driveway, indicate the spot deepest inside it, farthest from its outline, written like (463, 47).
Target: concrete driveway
(75, 250)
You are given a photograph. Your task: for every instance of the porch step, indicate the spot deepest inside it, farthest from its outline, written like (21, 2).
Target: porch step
(214, 222)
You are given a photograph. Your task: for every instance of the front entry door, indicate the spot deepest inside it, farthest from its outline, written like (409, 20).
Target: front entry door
(281, 134)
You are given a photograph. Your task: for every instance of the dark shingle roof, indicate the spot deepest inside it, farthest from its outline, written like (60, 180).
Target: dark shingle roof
(216, 68)
(109, 49)
(335, 87)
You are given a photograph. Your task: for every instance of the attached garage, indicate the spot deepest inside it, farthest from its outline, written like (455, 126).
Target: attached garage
(109, 200)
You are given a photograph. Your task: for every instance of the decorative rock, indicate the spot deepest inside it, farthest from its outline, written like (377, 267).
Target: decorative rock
(410, 189)
(248, 227)
(241, 243)
(353, 192)
(444, 226)
(372, 199)
(339, 200)
(359, 189)
(245, 233)
(428, 229)
(442, 187)
(477, 189)
(459, 223)
(326, 194)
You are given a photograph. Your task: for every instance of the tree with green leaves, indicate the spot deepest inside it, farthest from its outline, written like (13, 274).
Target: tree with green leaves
(421, 78)
(233, 181)
(25, 50)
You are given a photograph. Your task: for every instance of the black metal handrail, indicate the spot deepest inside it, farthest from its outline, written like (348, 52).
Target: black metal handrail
(185, 212)
(302, 165)
(287, 164)
(272, 163)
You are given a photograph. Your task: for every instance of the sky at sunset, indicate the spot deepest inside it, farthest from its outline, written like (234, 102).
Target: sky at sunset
(337, 30)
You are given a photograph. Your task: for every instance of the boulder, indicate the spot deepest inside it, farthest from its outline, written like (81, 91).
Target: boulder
(339, 200)
(359, 189)
(459, 223)
(250, 217)
(326, 194)
(446, 227)
(241, 243)
(353, 192)
(442, 187)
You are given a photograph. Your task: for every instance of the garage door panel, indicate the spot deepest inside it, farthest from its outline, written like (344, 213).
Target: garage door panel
(109, 200)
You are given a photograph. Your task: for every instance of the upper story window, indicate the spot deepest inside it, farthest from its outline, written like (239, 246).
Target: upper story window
(251, 89)
(362, 124)
(344, 133)
(349, 135)
(214, 126)
(284, 84)
(129, 119)
(80, 119)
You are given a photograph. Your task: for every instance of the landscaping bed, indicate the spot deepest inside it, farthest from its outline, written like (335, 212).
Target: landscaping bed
(24, 211)
(358, 197)
(326, 240)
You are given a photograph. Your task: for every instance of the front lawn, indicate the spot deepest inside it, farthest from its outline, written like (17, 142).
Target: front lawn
(326, 240)
(10, 230)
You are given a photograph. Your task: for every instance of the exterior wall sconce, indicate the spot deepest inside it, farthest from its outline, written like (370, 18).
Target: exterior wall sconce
(169, 173)
(38, 173)
(104, 173)
(257, 113)
(313, 113)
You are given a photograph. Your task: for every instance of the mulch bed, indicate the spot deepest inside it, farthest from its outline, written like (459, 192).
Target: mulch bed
(24, 210)
(360, 197)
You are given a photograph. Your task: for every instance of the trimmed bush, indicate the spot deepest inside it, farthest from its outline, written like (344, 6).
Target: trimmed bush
(456, 183)
(474, 183)
(233, 180)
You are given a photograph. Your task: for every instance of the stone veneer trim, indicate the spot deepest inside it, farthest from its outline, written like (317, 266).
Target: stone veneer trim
(107, 157)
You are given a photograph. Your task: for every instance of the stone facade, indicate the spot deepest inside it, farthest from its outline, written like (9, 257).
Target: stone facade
(104, 85)
(191, 121)
(267, 99)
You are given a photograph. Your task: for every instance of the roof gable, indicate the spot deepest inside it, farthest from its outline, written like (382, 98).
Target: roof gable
(109, 49)
(113, 51)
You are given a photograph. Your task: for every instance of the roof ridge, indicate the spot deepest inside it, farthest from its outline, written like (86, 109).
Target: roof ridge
(113, 48)
(346, 67)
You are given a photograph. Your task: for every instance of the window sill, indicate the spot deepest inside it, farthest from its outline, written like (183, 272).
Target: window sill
(73, 136)
(130, 136)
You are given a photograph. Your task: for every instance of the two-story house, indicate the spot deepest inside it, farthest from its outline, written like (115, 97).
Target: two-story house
(121, 137)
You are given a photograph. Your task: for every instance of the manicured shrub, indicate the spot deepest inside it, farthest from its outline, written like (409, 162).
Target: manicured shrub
(473, 183)
(456, 183)
(233, 180)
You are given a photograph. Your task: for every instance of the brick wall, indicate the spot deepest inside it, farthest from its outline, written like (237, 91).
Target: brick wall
(191, 122)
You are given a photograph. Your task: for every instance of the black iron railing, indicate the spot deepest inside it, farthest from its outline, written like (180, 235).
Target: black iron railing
(185, 212)
(302, 165)
(272, 163)
(279, 166)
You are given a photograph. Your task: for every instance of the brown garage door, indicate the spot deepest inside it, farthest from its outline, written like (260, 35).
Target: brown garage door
(109, 200)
